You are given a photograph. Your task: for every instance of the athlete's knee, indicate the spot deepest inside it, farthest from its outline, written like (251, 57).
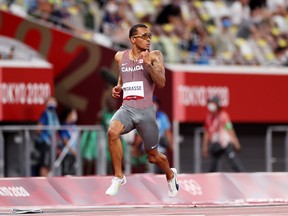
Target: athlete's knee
(112, 133)
(114, 130)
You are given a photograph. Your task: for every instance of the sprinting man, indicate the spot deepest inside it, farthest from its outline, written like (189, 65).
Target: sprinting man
(140, 70)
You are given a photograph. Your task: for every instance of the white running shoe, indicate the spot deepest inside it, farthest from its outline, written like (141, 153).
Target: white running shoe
(173, 185)
(116, 182)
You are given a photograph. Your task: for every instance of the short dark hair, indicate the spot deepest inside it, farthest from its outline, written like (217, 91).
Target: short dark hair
(134, 29)
(215, 99)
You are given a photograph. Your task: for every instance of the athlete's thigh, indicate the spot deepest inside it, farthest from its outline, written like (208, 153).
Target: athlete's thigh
(148, 129)
(122, 115)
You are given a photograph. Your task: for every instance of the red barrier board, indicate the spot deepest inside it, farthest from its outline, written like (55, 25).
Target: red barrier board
(146, 189)
(91, 191)
(261, 187)
(28, 192)
(248, 94)
(23, 92)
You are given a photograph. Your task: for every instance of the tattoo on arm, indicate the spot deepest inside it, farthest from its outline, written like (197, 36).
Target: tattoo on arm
(157, 70)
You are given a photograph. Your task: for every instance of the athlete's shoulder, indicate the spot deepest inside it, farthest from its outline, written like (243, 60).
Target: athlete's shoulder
(119, 55)
(156, 52)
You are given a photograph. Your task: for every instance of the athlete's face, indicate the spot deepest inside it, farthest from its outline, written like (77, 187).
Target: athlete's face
(142, 39)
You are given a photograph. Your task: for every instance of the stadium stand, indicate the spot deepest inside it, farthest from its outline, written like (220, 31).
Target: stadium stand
(185, 31)
(11, 49)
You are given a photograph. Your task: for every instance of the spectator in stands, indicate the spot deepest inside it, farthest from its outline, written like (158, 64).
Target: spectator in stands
(240, 11)
(69, 141)
(277, 6)
(281, 50)
(168, 14)
(179, 26)
(44, 137)
(241, 18)
(88, 151)
(198, 44)
(89, 20)
(111, 18)
(11, 53)
(116, 21)
(139, 158)
(223, 42)
(219, 137)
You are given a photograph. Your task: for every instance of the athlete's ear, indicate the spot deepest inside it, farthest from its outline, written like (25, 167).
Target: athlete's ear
(133, 39)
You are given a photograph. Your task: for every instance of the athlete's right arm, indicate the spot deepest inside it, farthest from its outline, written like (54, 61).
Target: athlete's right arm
(116, 90)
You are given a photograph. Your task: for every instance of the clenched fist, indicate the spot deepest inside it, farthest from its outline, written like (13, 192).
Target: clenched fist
(116, 91)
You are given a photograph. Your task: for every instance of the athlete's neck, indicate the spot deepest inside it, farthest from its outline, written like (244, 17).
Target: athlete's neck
(135, 53)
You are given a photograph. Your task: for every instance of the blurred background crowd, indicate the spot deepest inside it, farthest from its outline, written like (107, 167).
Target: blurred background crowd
(229, 32)
(191, 32)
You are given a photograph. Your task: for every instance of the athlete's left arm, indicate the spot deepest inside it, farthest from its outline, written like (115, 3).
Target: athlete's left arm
(156, 68)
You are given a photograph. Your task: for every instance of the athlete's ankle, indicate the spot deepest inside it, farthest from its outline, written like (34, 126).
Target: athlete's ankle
(170, 175)
(120, 176)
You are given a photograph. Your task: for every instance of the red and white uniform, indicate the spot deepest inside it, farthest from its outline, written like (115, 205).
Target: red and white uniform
(216, 126)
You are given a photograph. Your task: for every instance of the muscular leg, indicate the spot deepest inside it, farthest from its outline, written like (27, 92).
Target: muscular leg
(115, 147)
(161, 161)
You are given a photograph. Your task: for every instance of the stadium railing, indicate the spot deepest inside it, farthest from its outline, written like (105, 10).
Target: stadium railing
(270, 158)
(28, 132)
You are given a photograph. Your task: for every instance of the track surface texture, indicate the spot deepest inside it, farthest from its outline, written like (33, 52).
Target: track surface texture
(263, 209)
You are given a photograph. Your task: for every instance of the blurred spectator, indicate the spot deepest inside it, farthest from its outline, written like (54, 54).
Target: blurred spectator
(104, 117)
(69, 141)
(281, 50)
(277, 6)
(240, 12)
(223, 41)
(11, 53)
(117, 20)
(169, 13)
(8, 54)
(198, 44)
(89, 21)
(219, 137)
(88, 151)
(49, 117)
(111, 18)
(181, 29)
(139, 162)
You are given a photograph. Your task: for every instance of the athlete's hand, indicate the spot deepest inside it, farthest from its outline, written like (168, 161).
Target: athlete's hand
(116, 90)
(146, 57)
